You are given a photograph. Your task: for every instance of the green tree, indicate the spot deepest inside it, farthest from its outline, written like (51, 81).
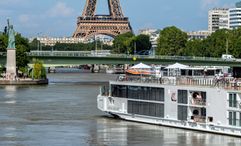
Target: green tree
(194, 48)
(216, 44)
(39, 71)
(3, 42)
(34, 44)
(122, 43)
(172, 41)
(22, 59)
(234, 46)
(22, 47)
(142, 42)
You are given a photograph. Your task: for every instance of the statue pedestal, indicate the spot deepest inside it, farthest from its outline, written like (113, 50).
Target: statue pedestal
(11, 64)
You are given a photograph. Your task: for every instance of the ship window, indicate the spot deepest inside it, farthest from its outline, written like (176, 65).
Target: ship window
(182, 112)
(119, 91)
(133, 92)
(232, 100)
(232, 118)
(203, 112)
(240, 119)
(146, 108)
(204, 96)
(145, 93)
(182, 96)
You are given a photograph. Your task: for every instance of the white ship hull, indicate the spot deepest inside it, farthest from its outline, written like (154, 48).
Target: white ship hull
(210, 128)
(204, 108)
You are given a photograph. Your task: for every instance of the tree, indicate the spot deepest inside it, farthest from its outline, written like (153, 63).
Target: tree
(194, 48)
(122, 43)
(172, 41)
(34, 44)
(22, 47)
(235, 42)
(3, 42)
(22, 59)
(39, 71)
(142, 42)
(22, 41)
(217, 43)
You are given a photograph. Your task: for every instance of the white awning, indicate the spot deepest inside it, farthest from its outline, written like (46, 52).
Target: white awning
(141, 66)
(177, 66)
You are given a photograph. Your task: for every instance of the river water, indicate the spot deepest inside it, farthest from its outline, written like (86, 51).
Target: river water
(64, 113)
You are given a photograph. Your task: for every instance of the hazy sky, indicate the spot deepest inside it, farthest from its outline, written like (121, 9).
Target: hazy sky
(58, 17)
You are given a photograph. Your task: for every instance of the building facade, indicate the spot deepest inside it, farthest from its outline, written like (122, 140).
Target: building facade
(218, 18)
(235, 16)
(198, 34)
(51, 41)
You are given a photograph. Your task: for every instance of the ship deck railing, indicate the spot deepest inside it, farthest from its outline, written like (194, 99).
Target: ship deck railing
(230, 83)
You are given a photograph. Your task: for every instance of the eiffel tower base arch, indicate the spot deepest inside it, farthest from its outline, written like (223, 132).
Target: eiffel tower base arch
(112, 25)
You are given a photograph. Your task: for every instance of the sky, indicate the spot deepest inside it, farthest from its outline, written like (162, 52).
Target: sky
(57, 18)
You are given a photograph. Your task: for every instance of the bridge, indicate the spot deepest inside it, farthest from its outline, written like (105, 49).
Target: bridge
(66, 58)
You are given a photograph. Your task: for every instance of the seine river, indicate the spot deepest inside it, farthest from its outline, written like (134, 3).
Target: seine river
(64, 113)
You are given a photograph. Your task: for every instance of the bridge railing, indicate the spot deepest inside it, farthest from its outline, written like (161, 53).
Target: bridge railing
(106, 53)
(70, 53)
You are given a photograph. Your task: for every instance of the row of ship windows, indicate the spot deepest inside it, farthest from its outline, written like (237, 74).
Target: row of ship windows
(153, 94)
(135, 92)
(145, 108)
(157, 110)
(156, 94)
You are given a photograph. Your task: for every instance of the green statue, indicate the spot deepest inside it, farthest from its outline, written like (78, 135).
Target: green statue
(11, 36)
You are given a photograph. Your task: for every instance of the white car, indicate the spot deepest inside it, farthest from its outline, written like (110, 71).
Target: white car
(228, 57)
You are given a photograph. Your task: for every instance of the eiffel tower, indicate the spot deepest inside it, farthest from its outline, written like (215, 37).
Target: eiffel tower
(90, 24)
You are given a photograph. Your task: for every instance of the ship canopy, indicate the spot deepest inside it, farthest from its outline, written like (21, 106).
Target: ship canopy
(141, 66)
(177, 66)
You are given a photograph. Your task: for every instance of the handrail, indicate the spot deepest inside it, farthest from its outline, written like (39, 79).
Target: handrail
(107, 54)
(226, 83)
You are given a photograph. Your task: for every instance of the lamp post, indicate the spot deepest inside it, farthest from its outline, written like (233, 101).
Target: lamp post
(226, 46)
(38, 41)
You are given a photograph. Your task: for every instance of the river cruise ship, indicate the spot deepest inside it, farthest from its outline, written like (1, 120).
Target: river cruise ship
(204, 103)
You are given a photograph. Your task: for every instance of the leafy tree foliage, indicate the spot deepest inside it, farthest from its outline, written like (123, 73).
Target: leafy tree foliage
(172, 41)
(22, 59)
(127, 43)
(22, 47)
(142, 42)
(39, 71)
(122, 43)
(193, 48)
(34, 44)
(3, 42)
